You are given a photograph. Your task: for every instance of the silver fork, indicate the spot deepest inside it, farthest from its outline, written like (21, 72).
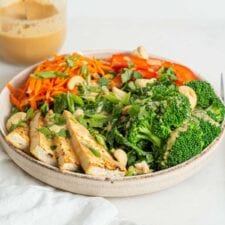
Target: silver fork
(222, 87)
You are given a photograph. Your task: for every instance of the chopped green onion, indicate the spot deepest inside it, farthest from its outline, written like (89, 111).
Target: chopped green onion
(30, 113)
(130, 64)
(95, 151)
(49, 74)
(64, 133)
(103, 82)
(21, 123)
(47, 132)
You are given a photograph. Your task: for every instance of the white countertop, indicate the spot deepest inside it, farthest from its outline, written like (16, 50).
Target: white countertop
(197, 43)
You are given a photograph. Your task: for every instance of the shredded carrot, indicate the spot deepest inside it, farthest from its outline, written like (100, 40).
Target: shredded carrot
(38, 89)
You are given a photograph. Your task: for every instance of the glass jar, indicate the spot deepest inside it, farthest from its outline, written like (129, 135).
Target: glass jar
(31, 30)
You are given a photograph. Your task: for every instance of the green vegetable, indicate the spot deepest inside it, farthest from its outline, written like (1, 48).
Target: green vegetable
(216, 110)
(58, 119)
(63, 133)
(166, 75)
(131, 86)
(62, 75)
(44, 108)
(126, 99)
(175, 110)
(96, 120)
(14, 110)
(183, 144)
(137, 75)
(210, 128)
(121, 140)
(126, 75)
(101, 139)
(208, 100)
(21, 123)
(51, 134)
(30, 113)
(141, 130)
(130, 64)
(204, 91)
(83, 70)
(69, 61)
(66, 102)
(104, 81)
(47, 132)
(70, 102)
(94, 151)
(131, 171)
(112, 98)
(49, 74)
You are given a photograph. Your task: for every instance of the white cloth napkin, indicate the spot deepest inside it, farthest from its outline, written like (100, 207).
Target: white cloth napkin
(25, 201)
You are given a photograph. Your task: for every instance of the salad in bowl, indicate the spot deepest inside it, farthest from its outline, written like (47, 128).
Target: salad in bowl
(125, 115)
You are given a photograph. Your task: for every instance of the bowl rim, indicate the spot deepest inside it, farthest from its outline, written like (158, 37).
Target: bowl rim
(93, 178)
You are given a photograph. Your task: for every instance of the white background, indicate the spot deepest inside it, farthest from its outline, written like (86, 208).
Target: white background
(191, 32)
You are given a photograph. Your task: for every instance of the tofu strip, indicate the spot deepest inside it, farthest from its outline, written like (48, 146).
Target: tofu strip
(65, 154)
(93, 157)
(40, 146)
(19, 138)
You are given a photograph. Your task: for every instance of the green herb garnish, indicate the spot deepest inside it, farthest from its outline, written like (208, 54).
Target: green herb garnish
(30, 113)
(49, 74)
(47, 132)
(103, 82)
(94, 151)
(21, 123)
(44, 108)
(130, 64)
(137, 75)
(69, 61)
(64, 133)
(126, 75)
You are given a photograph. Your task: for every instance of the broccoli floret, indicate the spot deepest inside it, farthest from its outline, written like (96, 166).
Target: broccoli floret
(156, 125)
(208, 100)
(184, 143)
(210, 132)
(216, 110)
(166, 75)
(161, 92)
(204, 91)
(141, 130)
(210, 128)
(121, 140)
(160, 129)
(135, 154)
(175, 110)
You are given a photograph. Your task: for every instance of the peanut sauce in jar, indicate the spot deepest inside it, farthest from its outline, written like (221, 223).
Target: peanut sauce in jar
(31, 30)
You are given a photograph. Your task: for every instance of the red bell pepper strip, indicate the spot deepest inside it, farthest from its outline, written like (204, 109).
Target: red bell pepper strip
(183, 73)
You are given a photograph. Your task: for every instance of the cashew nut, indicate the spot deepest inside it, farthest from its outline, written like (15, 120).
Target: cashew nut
(190, 94)
(142, 168)
(15, 119)
(75, 81)
(141, 52)
(79, 113)
(121, 156)
(119, 93)
(141, 83)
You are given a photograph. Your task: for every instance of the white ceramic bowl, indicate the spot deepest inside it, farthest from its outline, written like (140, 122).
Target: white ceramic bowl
(89, 185)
